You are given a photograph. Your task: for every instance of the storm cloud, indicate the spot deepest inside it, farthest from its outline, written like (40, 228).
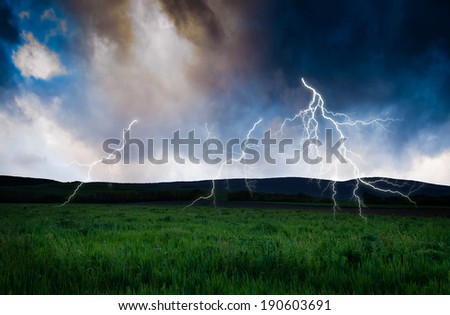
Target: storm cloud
(180, 64)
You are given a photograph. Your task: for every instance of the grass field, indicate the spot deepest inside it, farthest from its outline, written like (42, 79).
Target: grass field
(140, 249)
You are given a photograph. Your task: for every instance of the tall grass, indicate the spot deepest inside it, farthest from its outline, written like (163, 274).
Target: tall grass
(135, 249)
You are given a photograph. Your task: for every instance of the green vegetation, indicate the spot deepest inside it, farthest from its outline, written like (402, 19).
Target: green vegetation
(121, 249)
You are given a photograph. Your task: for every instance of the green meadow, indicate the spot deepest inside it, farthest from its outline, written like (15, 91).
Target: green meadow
(148, 249)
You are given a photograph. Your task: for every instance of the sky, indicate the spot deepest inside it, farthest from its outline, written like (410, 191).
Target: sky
(76, 72)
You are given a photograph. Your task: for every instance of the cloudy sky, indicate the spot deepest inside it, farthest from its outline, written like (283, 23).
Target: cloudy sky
(76, 72)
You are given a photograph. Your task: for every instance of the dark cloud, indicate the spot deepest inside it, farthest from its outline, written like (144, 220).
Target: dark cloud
(356, 40)
(9, 36)
(195, 21)
(363, 56)
(8, 29)
(108, 19)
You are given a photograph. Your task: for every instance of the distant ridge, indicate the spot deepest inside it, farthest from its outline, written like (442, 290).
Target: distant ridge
(281, 189)
(6, 180)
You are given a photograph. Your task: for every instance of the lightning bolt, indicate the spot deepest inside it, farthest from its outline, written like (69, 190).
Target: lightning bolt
(92, 165)
(310, 117)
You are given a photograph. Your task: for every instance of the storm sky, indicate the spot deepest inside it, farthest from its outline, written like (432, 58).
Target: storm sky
(74, 73)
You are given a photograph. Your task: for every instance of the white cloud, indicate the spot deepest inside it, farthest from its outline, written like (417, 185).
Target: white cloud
(37, 144)
(35, 60)
(431, 169)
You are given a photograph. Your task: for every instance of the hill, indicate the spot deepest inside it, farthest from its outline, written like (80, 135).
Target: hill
(289, 189)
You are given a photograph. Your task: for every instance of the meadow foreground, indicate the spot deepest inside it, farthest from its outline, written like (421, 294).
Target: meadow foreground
(148, 249)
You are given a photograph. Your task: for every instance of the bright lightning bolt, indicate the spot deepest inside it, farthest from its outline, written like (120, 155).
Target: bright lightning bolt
(310, 117)
(92, 165)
